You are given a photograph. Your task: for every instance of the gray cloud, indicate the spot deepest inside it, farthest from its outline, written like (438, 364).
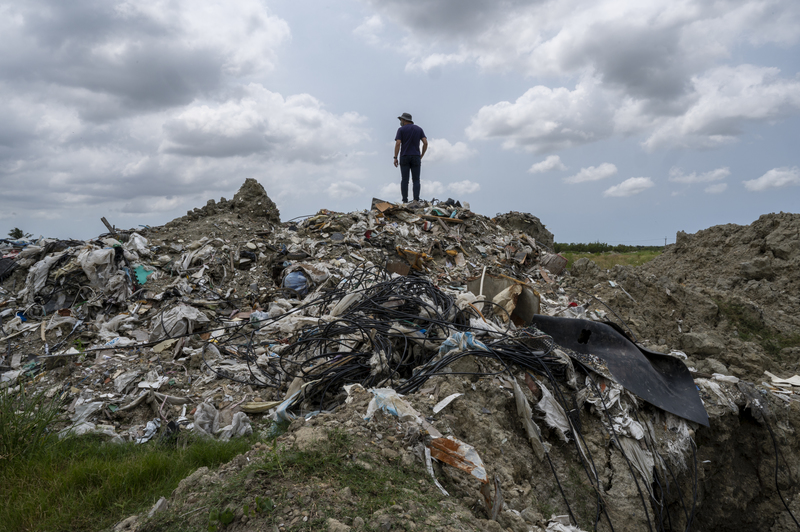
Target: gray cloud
(116, 58)
(449, 17)
(91, 46)
(656, 67)
(142, 107)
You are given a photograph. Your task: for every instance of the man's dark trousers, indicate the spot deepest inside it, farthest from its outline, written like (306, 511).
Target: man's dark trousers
(410, 163)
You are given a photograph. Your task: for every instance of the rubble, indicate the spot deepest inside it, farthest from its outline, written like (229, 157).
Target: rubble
(431, 322)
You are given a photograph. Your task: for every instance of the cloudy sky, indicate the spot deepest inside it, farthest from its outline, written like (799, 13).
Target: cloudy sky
(611, 120)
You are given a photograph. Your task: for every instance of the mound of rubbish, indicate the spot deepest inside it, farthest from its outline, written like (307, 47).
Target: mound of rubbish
(440, 341)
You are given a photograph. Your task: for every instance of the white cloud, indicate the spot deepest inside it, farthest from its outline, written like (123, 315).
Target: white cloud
(156, 162)
(717, 189)
(592, 173)
(264, 122)
(440, 150)
(660, 68)
(553, 162)
(545, 119)
(678, 176)
(464, 187)
(434, 62)
(370, 29)
(629, 187)
(635, 45)
(345, 189)
(428, 189)
(723, 101)
(123, 57)
(147, 107)
(389, 191)
(714, 111)
(775, 178)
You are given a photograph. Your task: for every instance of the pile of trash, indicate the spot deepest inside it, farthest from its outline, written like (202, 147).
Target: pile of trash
(227, 317)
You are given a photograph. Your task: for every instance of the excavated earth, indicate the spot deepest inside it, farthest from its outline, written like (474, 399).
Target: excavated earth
(725, 300)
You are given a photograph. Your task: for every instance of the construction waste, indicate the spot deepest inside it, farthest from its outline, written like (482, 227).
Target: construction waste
(537, 398)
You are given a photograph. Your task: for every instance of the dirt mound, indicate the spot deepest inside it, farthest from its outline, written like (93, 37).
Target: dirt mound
(528, 224)
(728, 296)
(250, 201)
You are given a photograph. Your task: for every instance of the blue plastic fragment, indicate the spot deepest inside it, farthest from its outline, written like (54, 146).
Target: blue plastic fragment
(142, 274)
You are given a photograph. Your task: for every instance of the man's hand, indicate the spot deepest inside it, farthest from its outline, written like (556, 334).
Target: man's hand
(396, 164)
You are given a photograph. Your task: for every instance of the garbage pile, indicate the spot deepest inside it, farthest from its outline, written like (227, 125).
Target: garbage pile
(227, 315)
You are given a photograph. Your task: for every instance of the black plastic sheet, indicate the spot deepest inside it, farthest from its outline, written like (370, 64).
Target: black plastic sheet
(661, 380)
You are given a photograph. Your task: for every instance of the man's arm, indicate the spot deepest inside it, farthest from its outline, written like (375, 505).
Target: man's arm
(397, 144)
(424, 147)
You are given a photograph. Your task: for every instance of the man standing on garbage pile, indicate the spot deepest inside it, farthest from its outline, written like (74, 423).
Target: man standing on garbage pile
(407, 146)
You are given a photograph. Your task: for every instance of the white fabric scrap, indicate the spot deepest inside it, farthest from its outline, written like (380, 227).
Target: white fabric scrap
(640, 459)
(714, 389)
(438, 407)
(177, 321)
(627, 426)
(37, 277)
(556, 526)
(85, 410)
(240, 426)
(554, 415)
(98, 265)
(153, 381)
(150, 430)
(540, 447)
(429, 467)
(206, 420)
(466, 456)
(390, 401)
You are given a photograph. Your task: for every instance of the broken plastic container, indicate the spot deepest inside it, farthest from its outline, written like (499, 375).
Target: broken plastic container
(297, 282)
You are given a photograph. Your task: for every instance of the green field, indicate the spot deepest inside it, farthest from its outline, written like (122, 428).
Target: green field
(607, 256)
(608, 260)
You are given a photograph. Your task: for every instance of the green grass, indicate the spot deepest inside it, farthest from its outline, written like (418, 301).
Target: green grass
(282, 471)
(607, 261)
(86, 483)
(25, 422)
(377, 489)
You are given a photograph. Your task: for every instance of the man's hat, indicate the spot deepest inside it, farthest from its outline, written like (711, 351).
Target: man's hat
(406, 117)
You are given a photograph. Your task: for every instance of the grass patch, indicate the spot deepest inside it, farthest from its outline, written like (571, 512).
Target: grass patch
(752, 328)
(309, 480)
(85, 483)
(25, 424)
(606, 261)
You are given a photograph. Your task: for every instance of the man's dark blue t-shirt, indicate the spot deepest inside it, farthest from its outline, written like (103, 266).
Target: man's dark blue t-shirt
(409, 136)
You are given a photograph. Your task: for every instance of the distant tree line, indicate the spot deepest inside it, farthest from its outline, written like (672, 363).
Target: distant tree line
(602, 247)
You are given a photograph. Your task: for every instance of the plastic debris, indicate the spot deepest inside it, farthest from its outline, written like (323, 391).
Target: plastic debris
(460, 455)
